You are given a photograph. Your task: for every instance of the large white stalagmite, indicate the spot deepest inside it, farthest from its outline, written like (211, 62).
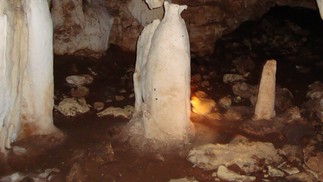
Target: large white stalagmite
(139, 76)
(162, 78)
(38, 87)
(320, 7)
(26, 70)
(265, 106)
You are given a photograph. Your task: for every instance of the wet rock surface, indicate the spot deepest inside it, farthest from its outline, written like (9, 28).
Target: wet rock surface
(291, 142)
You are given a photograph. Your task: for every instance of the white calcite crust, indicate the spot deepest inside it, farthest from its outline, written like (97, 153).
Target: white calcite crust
(162, 79)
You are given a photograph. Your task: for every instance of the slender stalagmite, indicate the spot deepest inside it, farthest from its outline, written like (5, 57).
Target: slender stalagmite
(265, 106)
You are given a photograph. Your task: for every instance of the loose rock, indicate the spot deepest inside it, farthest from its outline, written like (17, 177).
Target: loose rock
(211, 156)
(119, 98)
(225, 102)
(225, 174)
(98, 106)
(126, 112)
(72, 106)
(80, 91)
(79, 80)
(273, 172)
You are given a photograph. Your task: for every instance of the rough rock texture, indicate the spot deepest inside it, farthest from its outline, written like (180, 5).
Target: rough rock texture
(81, 27)
(72, 106)
(206, 21)
(315, 102)
(211, 156)
(225, 174)
(142, 13)
(218, 17)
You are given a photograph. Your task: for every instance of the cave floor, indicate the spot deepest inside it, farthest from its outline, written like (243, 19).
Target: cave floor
(88, 151)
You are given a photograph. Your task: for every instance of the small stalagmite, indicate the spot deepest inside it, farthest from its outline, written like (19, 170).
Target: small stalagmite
(265, 106)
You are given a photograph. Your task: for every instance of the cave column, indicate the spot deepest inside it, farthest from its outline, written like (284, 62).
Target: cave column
(162, 79)
(26, 70)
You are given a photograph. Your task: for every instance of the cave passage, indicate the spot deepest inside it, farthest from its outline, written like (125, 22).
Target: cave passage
(90, 152)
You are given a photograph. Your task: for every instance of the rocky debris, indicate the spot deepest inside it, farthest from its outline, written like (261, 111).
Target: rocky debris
(232, 78)
(290, 170)
(119, 98)
(72, 106)
(98, 106)
(183, 180)
(315, 103)
(126, 112)
(283, 97)
(245, 91)
(302, 176)
(293, 153)
(225, 174)
(314, 163)
(225, 102)
(80, 91)
(252, 156)
(46, 175)
(79, 80)
(273, 172)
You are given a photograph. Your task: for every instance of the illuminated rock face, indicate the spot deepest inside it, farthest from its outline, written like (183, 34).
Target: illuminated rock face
(265, 106)
(81, 27)
(26, 68)
(162, 78)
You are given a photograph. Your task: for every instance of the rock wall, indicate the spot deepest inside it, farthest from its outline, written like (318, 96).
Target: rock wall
(82, 27)
(206, 20)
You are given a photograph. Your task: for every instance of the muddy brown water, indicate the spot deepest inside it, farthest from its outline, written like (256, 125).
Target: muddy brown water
(87, 136)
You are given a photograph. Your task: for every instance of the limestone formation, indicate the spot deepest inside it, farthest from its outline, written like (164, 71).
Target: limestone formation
(206, 21)
(320, 6)
(141, 12)
(265, 106)
(81, 27)
(162, 78)
(26, 68)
